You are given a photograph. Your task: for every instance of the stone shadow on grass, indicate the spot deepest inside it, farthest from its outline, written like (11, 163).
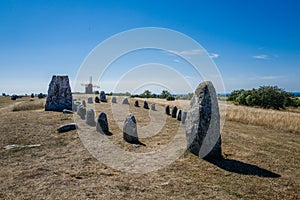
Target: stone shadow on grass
(243, 168)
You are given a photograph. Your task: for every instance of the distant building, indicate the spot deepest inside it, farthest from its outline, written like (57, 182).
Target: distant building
(89, 88)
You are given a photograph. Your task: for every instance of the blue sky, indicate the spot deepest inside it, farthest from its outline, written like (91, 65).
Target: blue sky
(253, 43)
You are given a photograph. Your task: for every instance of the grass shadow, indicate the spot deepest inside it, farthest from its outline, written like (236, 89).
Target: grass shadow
(243, 168)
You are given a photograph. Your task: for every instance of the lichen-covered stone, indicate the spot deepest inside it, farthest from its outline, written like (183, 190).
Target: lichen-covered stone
(203, 123)
(90, 117)
(59, 94)
(102, 124)
(130, 130)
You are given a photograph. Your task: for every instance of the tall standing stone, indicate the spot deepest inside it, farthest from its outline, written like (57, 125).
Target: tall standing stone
(59, 94)
(178, 115)
(81, 111)
(84, 103)
(130, 130)
(136, 103)
(125, 101)
(183, 116)
(103, 96)
(90, 117)
(203, 123)
(90, 100)
(146, 106)
(114, 100)
(97, 100)
(102, 124)
(153, 107)
(167, 110)
(174, 112)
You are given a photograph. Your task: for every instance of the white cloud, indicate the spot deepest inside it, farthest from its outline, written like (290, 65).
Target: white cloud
(270, 77)
(189, 52)
(261, 57)
(214, 55)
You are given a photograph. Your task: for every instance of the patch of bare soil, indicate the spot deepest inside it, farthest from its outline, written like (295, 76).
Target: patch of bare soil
(261, 163)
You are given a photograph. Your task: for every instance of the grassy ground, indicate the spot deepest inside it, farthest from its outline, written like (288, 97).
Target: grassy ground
(262, 163)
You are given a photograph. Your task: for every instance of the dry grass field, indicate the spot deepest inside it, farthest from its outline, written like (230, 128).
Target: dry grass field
(262, 149)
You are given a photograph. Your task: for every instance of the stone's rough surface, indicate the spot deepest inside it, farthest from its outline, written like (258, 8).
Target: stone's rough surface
(67, 127)
(81, 111)
(130, 130)
(174, 111)
(66, 111)
(153, 106)
(183, 116)
(178, 115)
(59, 94)
(114, 100)
(97, 100)
(146, 106)
(102, 124)
(84, 103)
(90, 100)
(136, 103)
(125, 101)
(167, 110)
(75, 106)
(202, 123)
(103, 96)
(90, 117)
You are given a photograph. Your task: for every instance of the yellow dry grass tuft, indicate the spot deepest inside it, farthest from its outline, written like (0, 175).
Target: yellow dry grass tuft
(276, 119)
(29, 105)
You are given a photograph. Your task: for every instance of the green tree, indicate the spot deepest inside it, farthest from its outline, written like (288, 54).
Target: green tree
(164, 94)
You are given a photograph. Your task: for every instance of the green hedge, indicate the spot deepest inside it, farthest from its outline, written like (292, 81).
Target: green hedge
(265, 97)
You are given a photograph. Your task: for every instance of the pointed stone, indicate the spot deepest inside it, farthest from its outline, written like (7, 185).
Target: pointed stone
(203, 123)
(102, 124)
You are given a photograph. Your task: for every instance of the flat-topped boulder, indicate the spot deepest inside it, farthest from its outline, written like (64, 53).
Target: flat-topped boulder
(59, 94)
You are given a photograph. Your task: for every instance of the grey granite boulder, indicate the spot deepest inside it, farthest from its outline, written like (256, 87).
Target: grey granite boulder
(83, 103)
(178, 115)
(146, 106)
(202, 123)
(114, 100)
(67, 127)
(81, 111)
(183, 116)
(59, 94)
(90, 117)
(174, 111)
(102, 124)
(167, 110)
(130, 130)
(125, 101)
(103, 96)
(136, 103)
(90, 100)
(153, 107)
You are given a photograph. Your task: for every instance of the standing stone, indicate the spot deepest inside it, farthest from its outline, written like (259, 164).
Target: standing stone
(203, 123)
(130, 130)
(102, 124)
(146, 106)
(81, 111)
(90, 117)
(125, 101)
(183, 116)
(178, 115)
(174, 112)
(114, 100)
(153, 106)
(83, 103)
(90, 100)
(167, 110)
(75, 106)
(136, 103)
(103, 96)
(59, 94)
(97, 100)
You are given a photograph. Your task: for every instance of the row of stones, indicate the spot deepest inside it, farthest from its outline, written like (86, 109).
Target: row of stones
(129, 128)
